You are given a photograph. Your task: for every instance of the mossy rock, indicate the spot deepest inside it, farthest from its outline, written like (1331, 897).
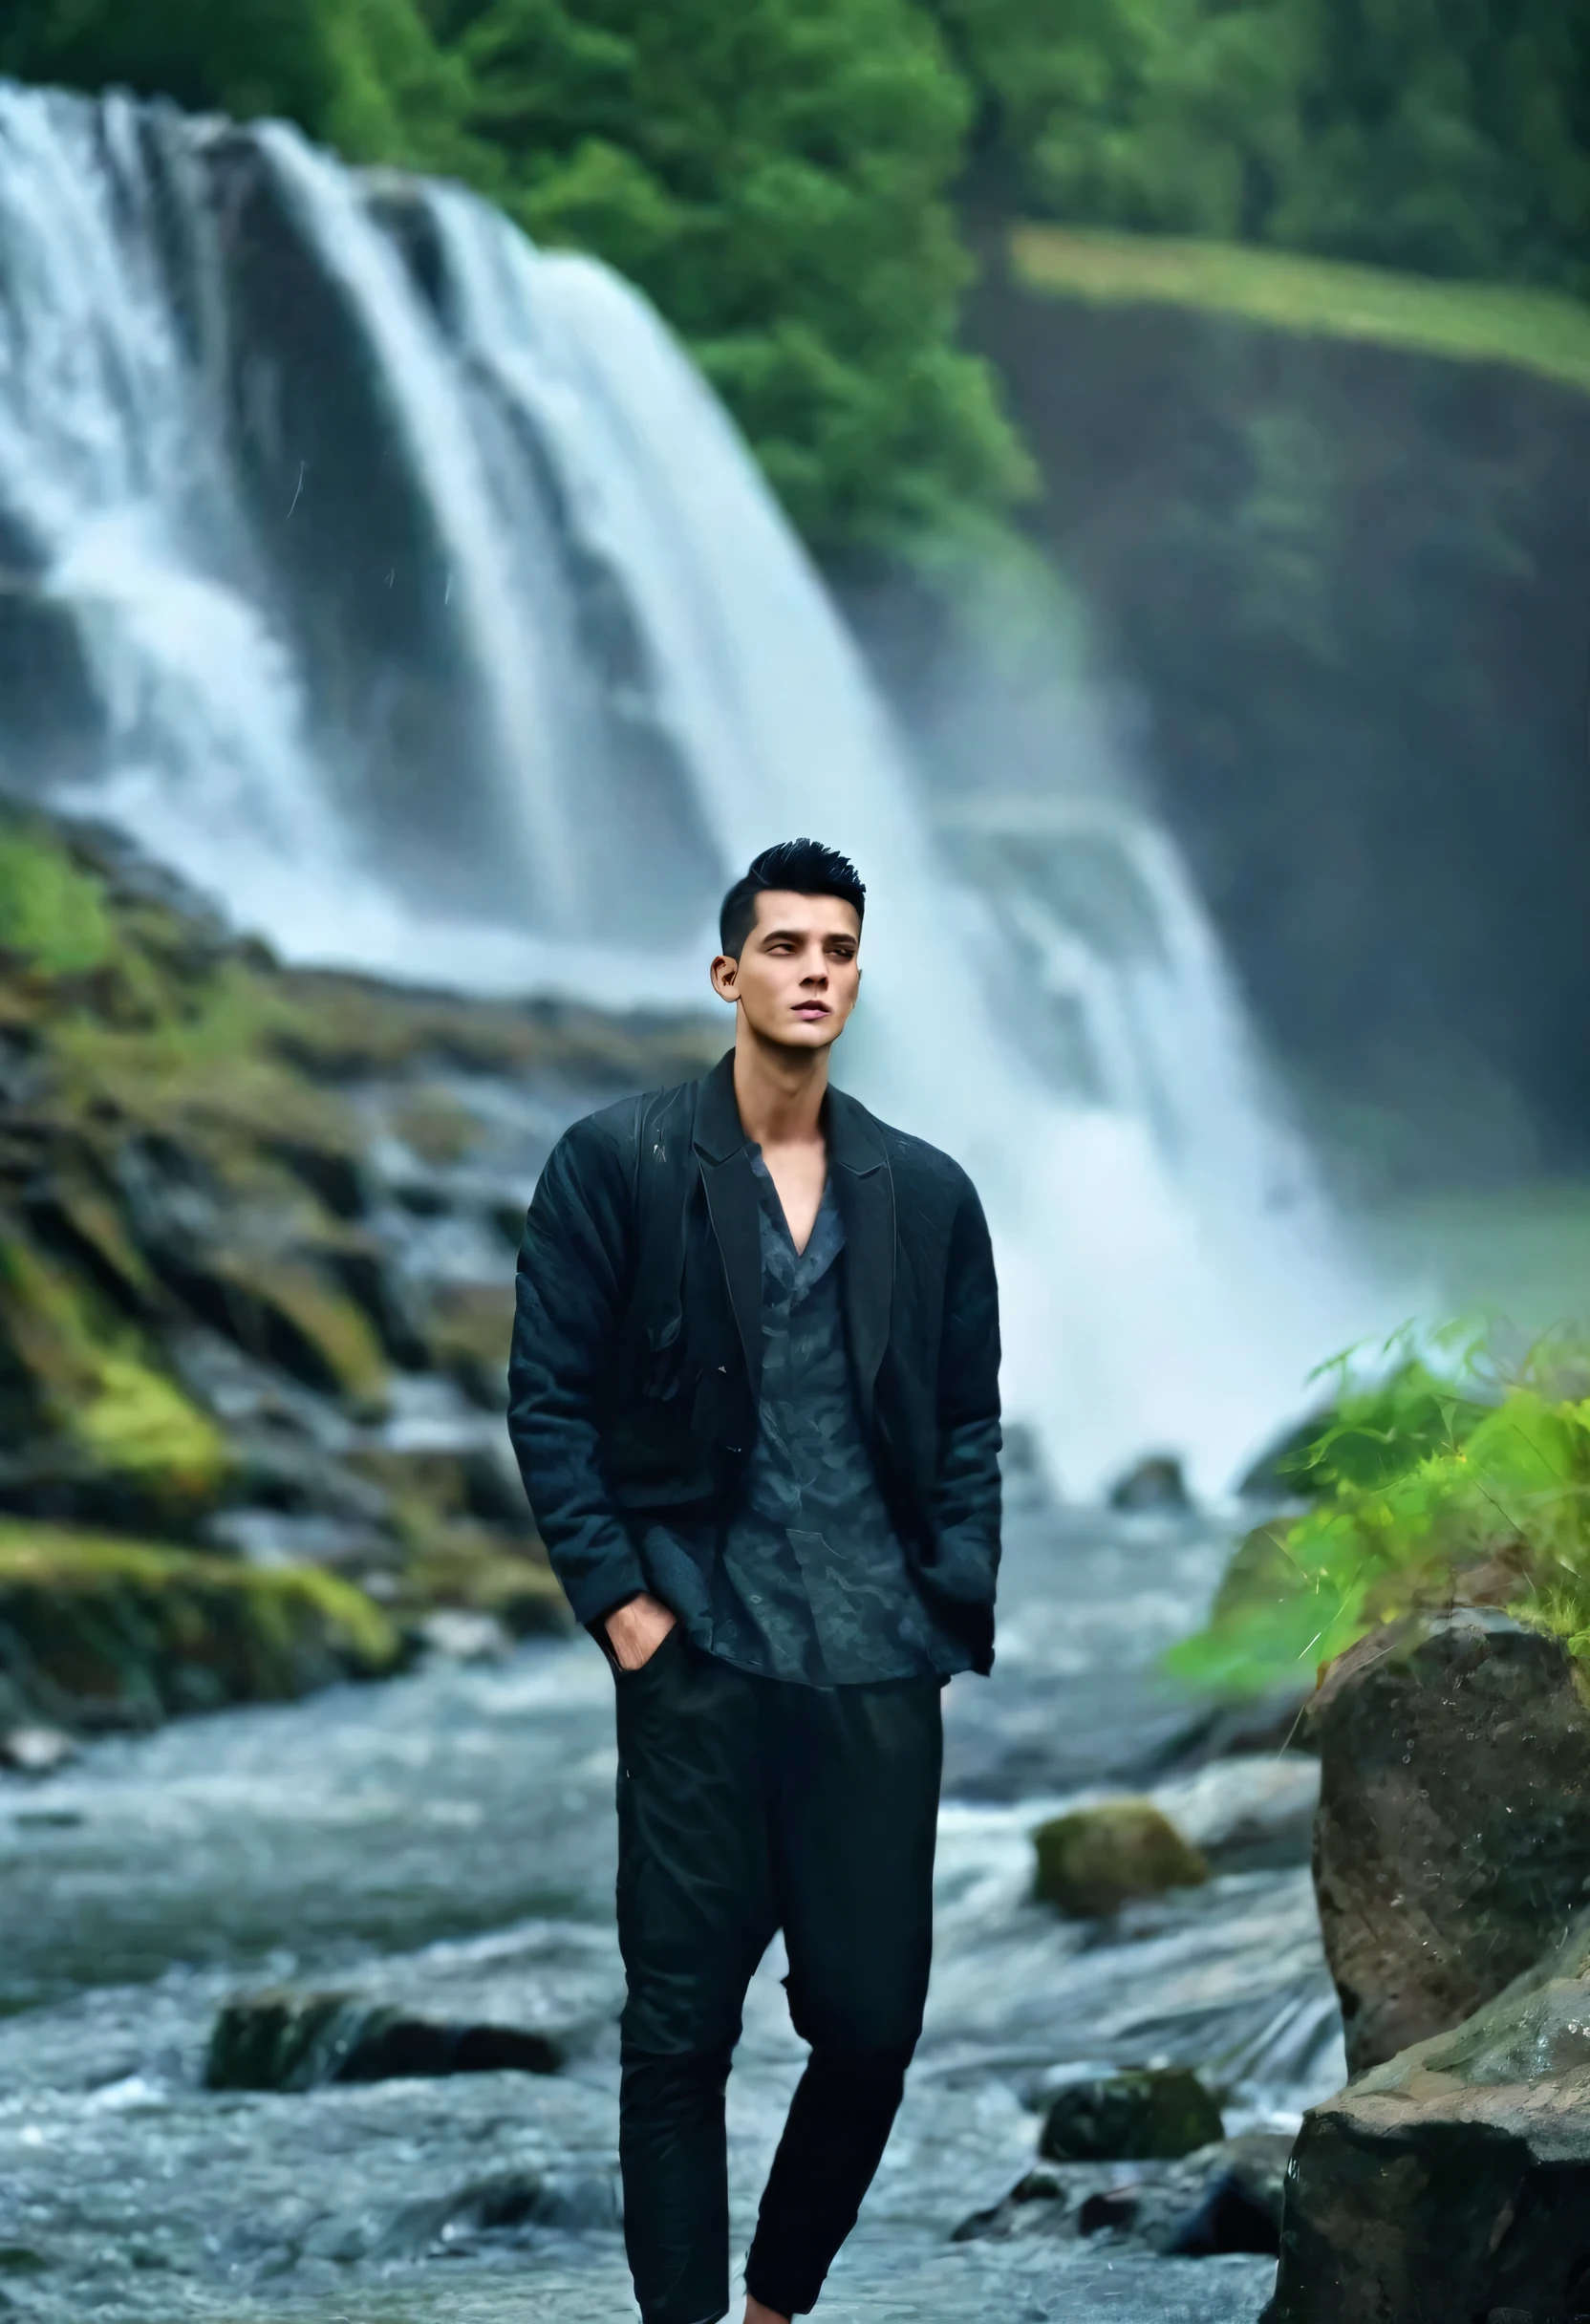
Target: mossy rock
(434, 1126)
(294, 2041)
(1095, 1860)
(94, 1425)
(477, 1572)
(1144, 2115)
(284, 1312)
(111, 1632)
(469, 1331)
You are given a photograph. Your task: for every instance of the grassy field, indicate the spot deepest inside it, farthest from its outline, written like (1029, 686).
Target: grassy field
(1538, 331)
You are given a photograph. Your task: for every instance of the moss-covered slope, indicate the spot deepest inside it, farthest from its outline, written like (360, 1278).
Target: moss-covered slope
(256, 1252)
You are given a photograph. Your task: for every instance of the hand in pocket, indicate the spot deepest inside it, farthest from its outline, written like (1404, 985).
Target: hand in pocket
(635, 1631)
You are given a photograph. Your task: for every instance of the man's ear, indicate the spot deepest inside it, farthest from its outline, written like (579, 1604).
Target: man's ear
(725, 977)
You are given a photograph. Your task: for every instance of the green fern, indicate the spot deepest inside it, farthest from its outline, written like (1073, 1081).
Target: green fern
(1429, 1491)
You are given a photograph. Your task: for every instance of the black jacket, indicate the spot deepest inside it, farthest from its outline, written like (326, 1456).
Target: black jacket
(634, 1376)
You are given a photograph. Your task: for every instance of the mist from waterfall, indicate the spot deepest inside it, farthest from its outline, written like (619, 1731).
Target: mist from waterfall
(425, 608)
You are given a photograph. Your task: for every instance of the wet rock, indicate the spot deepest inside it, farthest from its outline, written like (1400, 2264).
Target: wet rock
(1156, 1483)
(1453, 2182)
(1143, 2115)
(1097, 1859)
(294, 2041)
(52, 716)
(1453, 1831)
(1225, 2197)
(286, 1312)
(500, 2209)
(470, 1327)
(35, 1751)
(90, 1427)
(97, 1633)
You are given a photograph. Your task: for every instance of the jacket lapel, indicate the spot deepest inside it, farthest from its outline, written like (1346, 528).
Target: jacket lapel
(864, 1188)
(732, 1206)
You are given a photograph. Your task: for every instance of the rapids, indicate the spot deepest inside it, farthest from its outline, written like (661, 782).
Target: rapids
(456, 1825)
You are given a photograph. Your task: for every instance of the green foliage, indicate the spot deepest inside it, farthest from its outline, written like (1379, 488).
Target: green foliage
(772, 174)
(1453, 140)
(50, 912)
(1432, 1491)
(362, 75)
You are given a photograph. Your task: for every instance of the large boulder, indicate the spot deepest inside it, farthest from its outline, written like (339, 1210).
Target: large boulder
(1453, 1842)
(1453, 2182)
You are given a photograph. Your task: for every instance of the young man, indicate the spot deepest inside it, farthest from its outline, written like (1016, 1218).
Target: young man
(755, 1399)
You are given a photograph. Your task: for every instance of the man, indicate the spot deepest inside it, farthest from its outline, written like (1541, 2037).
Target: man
(754, 1395)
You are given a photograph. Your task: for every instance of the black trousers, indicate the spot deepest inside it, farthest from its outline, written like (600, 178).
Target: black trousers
(746, 1805)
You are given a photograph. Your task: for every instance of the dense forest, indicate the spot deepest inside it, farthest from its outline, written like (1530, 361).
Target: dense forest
(783, 176)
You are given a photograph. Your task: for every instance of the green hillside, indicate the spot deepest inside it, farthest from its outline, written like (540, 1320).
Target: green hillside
(1538, 331)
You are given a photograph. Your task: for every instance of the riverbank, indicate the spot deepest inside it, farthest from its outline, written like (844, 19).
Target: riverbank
(454, 1828)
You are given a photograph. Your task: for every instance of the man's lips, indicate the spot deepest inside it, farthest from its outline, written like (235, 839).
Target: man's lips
(812, 1008)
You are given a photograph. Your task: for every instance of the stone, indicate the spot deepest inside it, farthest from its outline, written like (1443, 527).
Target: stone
(294, 2041)
(1143, 2115)
(1453, 2182)
(103, 1633)
(497, 2209)
(35, 1751)
(1095, 1860)
(1156, 1483)
(1452, 1841)
(1225, 2197)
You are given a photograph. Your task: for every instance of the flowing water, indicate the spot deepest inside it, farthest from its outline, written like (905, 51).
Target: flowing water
(451, 1834)
(407, 588)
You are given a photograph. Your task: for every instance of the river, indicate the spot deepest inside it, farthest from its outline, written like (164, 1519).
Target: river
(448, 1838)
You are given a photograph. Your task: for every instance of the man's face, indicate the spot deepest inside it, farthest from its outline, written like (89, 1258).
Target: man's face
(799, 970)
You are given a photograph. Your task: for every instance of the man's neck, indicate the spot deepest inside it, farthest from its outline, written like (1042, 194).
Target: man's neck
(779, 1091)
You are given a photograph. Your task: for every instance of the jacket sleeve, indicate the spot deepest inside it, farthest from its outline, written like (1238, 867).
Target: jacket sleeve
(572, 1281)
(966, 1490)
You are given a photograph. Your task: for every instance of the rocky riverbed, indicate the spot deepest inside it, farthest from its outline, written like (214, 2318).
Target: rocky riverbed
(445, 1843)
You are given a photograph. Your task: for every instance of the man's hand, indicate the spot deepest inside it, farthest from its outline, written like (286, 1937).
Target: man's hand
(635, 1631)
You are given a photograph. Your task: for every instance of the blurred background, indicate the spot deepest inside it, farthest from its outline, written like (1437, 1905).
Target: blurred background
(474, 471)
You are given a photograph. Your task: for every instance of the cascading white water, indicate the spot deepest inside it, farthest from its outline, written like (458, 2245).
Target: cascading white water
(636, 680)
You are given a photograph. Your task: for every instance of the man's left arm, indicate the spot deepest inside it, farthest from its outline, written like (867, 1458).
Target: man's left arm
(966, 1491)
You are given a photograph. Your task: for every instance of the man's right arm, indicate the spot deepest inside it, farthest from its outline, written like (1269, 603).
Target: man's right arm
(574, 1278)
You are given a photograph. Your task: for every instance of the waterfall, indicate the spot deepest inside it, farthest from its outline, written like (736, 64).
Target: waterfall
(407, 588)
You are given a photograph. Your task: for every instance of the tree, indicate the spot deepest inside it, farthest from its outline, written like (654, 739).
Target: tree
(1444, 136)
(773, 174)
(364, 75)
